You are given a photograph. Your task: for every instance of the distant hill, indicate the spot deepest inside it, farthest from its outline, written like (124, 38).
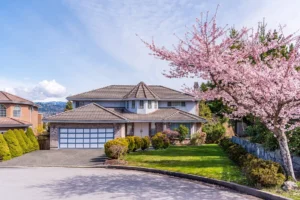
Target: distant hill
(51, 108)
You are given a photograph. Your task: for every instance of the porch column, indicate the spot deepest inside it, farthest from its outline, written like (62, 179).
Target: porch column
(164, 126)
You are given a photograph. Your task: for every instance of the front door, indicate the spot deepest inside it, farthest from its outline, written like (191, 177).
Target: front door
(141, 129)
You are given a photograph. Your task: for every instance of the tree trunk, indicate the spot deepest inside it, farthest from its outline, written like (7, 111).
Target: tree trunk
(286, 155)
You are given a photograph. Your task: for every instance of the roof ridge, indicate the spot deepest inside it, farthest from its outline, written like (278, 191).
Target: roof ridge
(189, 114)
(175, 90)
(68, 111)
(7, 93)
(109, 111)
(89, 91)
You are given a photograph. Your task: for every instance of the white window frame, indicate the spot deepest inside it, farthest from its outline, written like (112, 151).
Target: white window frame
(142, 104)
(149, 104)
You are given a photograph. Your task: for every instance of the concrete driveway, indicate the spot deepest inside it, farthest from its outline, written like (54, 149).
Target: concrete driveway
(94, 184)
(61, 157)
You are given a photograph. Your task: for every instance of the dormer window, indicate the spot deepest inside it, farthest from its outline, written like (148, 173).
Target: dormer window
(2, 111)
(149, 104)
(17, 111)
(133, 104)
(141, 104)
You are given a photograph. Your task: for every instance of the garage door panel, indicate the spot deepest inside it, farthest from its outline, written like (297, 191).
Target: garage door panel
(84, 138)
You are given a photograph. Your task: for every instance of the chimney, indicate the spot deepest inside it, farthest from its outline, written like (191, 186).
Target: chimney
(196, 86)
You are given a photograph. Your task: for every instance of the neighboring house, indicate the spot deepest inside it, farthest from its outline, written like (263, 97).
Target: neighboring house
(16, 112)
(121, 110)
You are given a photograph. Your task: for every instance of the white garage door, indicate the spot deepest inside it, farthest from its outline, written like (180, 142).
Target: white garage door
(84, 138)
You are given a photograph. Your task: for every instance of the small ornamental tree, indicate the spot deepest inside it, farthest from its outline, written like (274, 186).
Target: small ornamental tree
(33, 139)
(4, 150)
(69, 106)
(21, 141)
(250, 74)
(27, 141)
(183, 132)
(13, 144)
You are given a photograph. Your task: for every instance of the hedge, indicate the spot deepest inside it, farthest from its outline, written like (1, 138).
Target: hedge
(112, 148)
(21, 141)
(27, 141)
(4, 150)
(258, 171)
(13, 144)
(33, 139)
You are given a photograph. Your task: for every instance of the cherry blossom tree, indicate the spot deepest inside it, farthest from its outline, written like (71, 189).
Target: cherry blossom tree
(267, 87)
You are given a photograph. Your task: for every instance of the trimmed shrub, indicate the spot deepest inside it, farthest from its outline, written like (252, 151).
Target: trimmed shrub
(214, 132)
(264, 173)
(116, 152)
(131, 143)
(27, 140)
(33, 139)
(160, 141)
(146, 143)
(172, 135)
(21, 141)
(4, 150)
(13, 144)
(183, 132)
(198, 139)
(258, 171)
(138, 142)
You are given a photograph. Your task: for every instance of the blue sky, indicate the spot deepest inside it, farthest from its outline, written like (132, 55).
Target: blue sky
(53, 48)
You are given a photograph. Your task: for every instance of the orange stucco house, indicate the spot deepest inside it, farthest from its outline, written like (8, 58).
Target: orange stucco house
(18, 113)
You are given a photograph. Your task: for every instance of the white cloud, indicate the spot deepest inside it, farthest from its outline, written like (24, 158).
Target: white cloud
(43, 91)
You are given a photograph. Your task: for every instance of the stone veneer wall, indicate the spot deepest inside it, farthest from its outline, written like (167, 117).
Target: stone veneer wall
(54, 127)
(262, 153)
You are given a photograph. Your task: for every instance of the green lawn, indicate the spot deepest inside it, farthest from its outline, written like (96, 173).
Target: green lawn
(206, 160)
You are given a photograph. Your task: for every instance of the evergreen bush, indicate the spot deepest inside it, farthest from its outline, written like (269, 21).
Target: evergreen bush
(183, 132)
(198, 139)
(4, 150)
(146, 143)
(214, 132)
(131, 143)
(120, 148)
(21, 141)
(138, 142)
(33, 139)
(27, 141)
(13, 144)
(160, 141)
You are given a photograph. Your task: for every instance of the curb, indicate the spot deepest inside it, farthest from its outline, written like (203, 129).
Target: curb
(229, 185)
(233, 186)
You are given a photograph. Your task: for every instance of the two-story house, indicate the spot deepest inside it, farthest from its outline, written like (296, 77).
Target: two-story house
(17, 113)
(120, 110)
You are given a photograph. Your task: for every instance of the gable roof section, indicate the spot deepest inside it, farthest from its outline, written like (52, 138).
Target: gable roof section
(6, 97)
(11, 122)
(139, 91)
(93, 113)
(90, 113)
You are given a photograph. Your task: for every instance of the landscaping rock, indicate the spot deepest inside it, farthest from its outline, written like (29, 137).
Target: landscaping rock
(289, 185)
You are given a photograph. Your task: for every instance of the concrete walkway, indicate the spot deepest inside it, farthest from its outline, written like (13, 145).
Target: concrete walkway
(61, 157)
(95, 184)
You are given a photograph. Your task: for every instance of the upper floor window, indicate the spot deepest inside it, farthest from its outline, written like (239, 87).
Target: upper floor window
(127, 104)
(2, 111)
(149, 104)
(176, 104)
(141, 104)
(17, 111)
(79, 103)
(133, 104)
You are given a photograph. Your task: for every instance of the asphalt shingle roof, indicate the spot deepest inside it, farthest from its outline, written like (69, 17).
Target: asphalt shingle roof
(140, 91)
(94, 112)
